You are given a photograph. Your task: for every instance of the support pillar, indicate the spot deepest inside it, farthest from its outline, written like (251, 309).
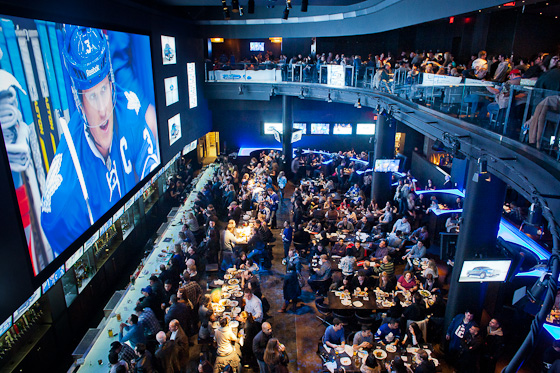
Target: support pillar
(287, 128)
(385, 131)
(481, 216)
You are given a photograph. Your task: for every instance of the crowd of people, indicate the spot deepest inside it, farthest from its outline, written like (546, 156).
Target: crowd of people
(330, 209)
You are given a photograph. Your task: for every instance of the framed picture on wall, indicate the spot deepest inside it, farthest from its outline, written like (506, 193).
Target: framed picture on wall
(168, 50)
(171, 90)
(174, 124)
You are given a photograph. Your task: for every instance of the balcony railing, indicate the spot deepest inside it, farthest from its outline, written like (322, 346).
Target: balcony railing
(520, 112)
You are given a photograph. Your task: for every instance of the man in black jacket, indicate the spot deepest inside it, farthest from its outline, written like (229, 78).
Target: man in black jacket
(259, 345)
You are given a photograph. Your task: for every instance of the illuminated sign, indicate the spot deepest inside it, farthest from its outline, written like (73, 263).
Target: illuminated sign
(53, 279)
(27, 305)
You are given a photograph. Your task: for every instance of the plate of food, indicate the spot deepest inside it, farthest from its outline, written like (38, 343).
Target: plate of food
(234, 324)
(358, 304)
(231, 270)
(233, 303)
(338, 293)
(233, 281)
(387, 304)
(379, 354)
(220, 309)
(425, 293)
(412, 350)
(223, 302)
(226, 295)
(219, 282)
(238, 294)
(346, 302)
(345, 361)
(228, 276)
(391, 348)
(362, 354)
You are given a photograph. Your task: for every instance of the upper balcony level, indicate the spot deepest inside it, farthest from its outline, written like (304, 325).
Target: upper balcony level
(514, 127)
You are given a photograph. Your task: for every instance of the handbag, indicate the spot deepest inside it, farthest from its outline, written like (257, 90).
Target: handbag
(301, 280)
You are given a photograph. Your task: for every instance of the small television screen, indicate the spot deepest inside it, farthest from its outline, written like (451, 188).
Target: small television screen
(256, 46)
(484, 270)
(319, 128)
(387, 165)
(342, 129)
(271, 128)
(301, 126)
(365, 129)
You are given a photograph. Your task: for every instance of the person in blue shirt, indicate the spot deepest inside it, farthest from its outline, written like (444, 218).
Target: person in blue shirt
(457, 330)
(389, 333)
(334, 335)
(132, 332)
(272, 201)
(107, 146)
(287, 236)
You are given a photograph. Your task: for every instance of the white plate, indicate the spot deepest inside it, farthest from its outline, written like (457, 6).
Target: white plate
(233, 303)
(358, 304)
(345, 361)
(391, 348)
(379, 354)
(346, 302)
(234, 324)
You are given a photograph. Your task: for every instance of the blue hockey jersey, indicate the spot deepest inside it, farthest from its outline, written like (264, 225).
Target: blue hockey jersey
(64, 213)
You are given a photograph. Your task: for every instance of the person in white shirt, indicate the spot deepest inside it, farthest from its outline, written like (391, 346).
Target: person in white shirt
(228, 351)
(253, 305)
(402, 225)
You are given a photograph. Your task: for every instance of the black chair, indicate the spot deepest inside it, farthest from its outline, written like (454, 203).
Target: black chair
(322, 286)
(323, 309)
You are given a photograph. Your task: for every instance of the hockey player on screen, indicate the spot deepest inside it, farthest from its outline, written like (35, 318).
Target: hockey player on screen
(105, 149)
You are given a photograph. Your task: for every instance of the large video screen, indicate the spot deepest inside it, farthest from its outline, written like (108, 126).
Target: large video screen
(484, 270)
(342, 129)
(78, 118)
(320, 128)
(365, 129)
(387, 165)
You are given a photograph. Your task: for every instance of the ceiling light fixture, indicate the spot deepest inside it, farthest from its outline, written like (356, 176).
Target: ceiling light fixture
(358, 104)
(241, 89)
(304, 4)
(289, 4)
(329, 99)
(235, 6)
(301, 94)
(251, 7)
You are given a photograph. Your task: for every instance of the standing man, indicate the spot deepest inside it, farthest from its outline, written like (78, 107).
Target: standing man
(456, 332)
(259, 345)
(287, 236)
(272, 201)
(493, 346)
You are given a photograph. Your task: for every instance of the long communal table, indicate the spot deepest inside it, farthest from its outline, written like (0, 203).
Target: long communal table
(96, 358)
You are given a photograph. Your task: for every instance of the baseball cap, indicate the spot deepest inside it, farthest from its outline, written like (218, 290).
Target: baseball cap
(515, 71)
(147, 289)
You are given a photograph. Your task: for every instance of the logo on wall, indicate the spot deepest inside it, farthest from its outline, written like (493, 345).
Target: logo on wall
(171, 91)
(168, 50)
(174, 124)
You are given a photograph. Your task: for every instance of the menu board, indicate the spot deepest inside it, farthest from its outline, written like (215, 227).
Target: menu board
(74, 258)
(6, 325)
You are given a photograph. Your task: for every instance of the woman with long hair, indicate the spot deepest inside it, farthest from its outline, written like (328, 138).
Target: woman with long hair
(275, 357)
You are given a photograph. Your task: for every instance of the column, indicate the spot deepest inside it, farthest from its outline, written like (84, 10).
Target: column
(287, 127)
(385, 131)
(481, 216)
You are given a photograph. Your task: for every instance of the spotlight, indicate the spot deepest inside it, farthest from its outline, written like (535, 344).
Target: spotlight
(251, 7)
(289, 4)
(329, 99)
(235, 6)
(227, 16)
(301, 94)
(304, 4)
(286, 13)
(358, 103)
(240, 11)
(272, 92)
(240, 89)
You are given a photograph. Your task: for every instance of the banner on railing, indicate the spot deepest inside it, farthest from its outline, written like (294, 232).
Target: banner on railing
(246, 75)
(434, 80)
(335, 75)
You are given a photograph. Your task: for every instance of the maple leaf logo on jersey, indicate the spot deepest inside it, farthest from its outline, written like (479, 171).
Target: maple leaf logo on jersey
(133, 101)
(54, 179)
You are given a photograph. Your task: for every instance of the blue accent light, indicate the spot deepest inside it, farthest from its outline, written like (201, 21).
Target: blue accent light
(510, 233)
(554, 330)
(455, 192)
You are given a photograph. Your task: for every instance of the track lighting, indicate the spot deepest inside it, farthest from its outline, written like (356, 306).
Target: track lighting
(240, 89)
(286, 13)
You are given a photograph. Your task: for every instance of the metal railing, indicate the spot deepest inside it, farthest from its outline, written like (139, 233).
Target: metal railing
(520, 112)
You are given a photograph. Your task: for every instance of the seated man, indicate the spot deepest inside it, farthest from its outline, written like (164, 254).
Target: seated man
(389, 333)
(339, 248)
(402, 225)
(416, 252)
(353, 191)
(323, 273)
(132, 331)
(386, 266)
(253, 305)
(334, 335)
(363, 339)
(361, 282)
(381, 250)
(452, 224)
(228, 350)
(345, 226)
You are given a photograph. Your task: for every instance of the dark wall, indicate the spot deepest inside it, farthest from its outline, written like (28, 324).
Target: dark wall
(15, 266)
(240, 123)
